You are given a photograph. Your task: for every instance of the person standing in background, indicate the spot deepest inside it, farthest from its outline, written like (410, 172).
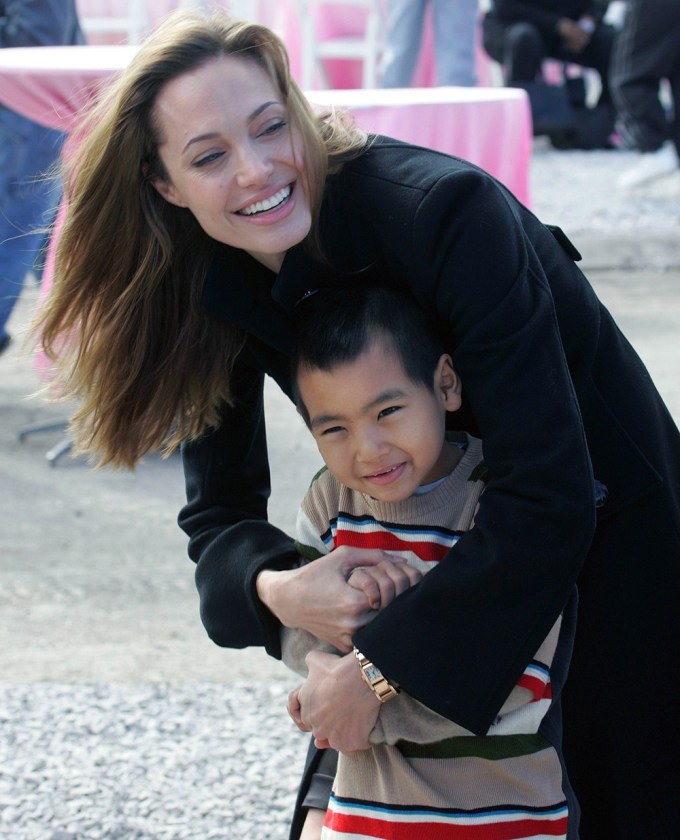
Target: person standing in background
(27, 150)
(454, 25)
(520, 34)
(646, 51)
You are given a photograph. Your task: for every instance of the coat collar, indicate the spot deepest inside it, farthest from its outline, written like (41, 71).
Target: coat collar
(242, 291)
(234, 280)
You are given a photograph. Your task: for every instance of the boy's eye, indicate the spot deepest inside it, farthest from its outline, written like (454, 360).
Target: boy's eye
(332, 430)
(387, 411)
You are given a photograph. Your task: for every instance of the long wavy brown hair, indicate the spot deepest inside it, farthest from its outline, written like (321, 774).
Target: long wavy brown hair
(122, 322)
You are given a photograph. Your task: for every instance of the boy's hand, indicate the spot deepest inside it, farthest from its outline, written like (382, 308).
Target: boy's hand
(382, 583)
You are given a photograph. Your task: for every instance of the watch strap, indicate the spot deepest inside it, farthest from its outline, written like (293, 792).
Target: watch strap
(374, 678)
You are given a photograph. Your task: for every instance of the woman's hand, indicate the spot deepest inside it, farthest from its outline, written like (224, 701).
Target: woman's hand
(318, 598)
(334, 703)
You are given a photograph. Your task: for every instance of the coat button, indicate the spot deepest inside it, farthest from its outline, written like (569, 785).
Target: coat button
(601, 493)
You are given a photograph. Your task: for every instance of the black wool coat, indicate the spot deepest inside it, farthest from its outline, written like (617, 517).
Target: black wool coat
(560, 399)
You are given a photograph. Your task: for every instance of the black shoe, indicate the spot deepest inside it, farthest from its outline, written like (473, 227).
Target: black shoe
(5, 341)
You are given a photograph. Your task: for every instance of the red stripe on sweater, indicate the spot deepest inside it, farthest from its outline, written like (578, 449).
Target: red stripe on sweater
(385, 540)
(540, 690)
(347, 824)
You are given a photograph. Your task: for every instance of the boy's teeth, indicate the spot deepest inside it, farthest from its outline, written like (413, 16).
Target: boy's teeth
(267, 204)
(384, 472)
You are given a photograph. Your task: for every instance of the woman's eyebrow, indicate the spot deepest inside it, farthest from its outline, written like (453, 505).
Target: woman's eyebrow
(209, 136)
(212, 135)
(256, 113)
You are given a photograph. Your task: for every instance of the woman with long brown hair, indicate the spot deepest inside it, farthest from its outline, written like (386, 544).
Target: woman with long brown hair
(206, 200)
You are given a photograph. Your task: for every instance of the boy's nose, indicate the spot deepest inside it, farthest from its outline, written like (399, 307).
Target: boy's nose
(371, 446)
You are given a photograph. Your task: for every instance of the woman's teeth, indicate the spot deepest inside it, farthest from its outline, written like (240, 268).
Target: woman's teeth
(267, 204)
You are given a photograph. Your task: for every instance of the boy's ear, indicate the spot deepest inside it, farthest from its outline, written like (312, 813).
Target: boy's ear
(447, 383)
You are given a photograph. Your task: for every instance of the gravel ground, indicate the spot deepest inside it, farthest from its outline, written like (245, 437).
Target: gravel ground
(119, 720)
(146, 762)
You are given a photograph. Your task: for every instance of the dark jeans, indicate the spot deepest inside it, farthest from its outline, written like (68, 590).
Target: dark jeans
(646, 51)
(28, 198)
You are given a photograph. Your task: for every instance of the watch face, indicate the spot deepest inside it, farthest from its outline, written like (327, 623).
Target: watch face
(372, 673)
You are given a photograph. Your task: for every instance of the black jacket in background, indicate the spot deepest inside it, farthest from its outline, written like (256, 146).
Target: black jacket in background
(544, 14)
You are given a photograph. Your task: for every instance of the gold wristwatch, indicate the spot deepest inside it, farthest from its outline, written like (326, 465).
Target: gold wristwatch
(372, 676)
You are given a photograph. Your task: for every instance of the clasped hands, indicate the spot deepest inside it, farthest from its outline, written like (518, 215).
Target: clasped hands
(334, 702)
(576, 34)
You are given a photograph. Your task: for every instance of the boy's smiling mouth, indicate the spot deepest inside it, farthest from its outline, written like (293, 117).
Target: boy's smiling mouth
(388, 475)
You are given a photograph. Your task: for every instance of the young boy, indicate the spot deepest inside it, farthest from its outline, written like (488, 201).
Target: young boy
(374, 387)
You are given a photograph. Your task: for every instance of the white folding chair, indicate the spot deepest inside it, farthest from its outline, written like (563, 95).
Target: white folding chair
(128, 19)
(241, 9)
(364, 46)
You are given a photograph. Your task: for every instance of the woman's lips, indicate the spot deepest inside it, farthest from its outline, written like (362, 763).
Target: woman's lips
(270, 203)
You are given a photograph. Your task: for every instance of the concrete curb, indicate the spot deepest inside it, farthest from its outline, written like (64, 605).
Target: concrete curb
(611, 252)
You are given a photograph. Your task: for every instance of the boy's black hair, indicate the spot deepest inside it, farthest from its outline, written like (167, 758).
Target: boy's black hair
(336, 325)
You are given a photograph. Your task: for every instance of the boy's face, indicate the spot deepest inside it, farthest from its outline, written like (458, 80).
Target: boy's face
(378, 431)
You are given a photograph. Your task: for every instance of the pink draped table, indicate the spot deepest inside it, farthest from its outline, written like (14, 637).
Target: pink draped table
(490, 127)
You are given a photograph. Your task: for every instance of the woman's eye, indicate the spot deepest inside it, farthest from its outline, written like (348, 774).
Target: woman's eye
(275, 127)
(208, 159)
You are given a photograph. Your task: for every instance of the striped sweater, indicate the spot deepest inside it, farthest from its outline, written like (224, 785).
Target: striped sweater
(425, 777)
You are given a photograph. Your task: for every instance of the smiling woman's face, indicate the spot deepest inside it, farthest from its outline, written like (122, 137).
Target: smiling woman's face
(232, 157)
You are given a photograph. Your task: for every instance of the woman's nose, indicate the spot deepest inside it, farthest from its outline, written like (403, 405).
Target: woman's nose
(252, 167)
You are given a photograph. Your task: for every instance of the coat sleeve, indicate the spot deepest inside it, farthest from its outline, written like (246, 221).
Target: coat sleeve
(404, 718)
(296, 643)
(460, 640)
(227, 488)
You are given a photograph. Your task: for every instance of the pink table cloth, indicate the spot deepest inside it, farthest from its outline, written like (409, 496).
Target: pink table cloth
(54, 85)
(490, 127)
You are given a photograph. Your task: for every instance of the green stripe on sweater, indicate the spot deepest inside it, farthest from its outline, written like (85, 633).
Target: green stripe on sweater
(490, 747)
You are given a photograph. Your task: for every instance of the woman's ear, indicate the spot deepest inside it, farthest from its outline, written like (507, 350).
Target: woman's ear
(447, 383)
(167, 191)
